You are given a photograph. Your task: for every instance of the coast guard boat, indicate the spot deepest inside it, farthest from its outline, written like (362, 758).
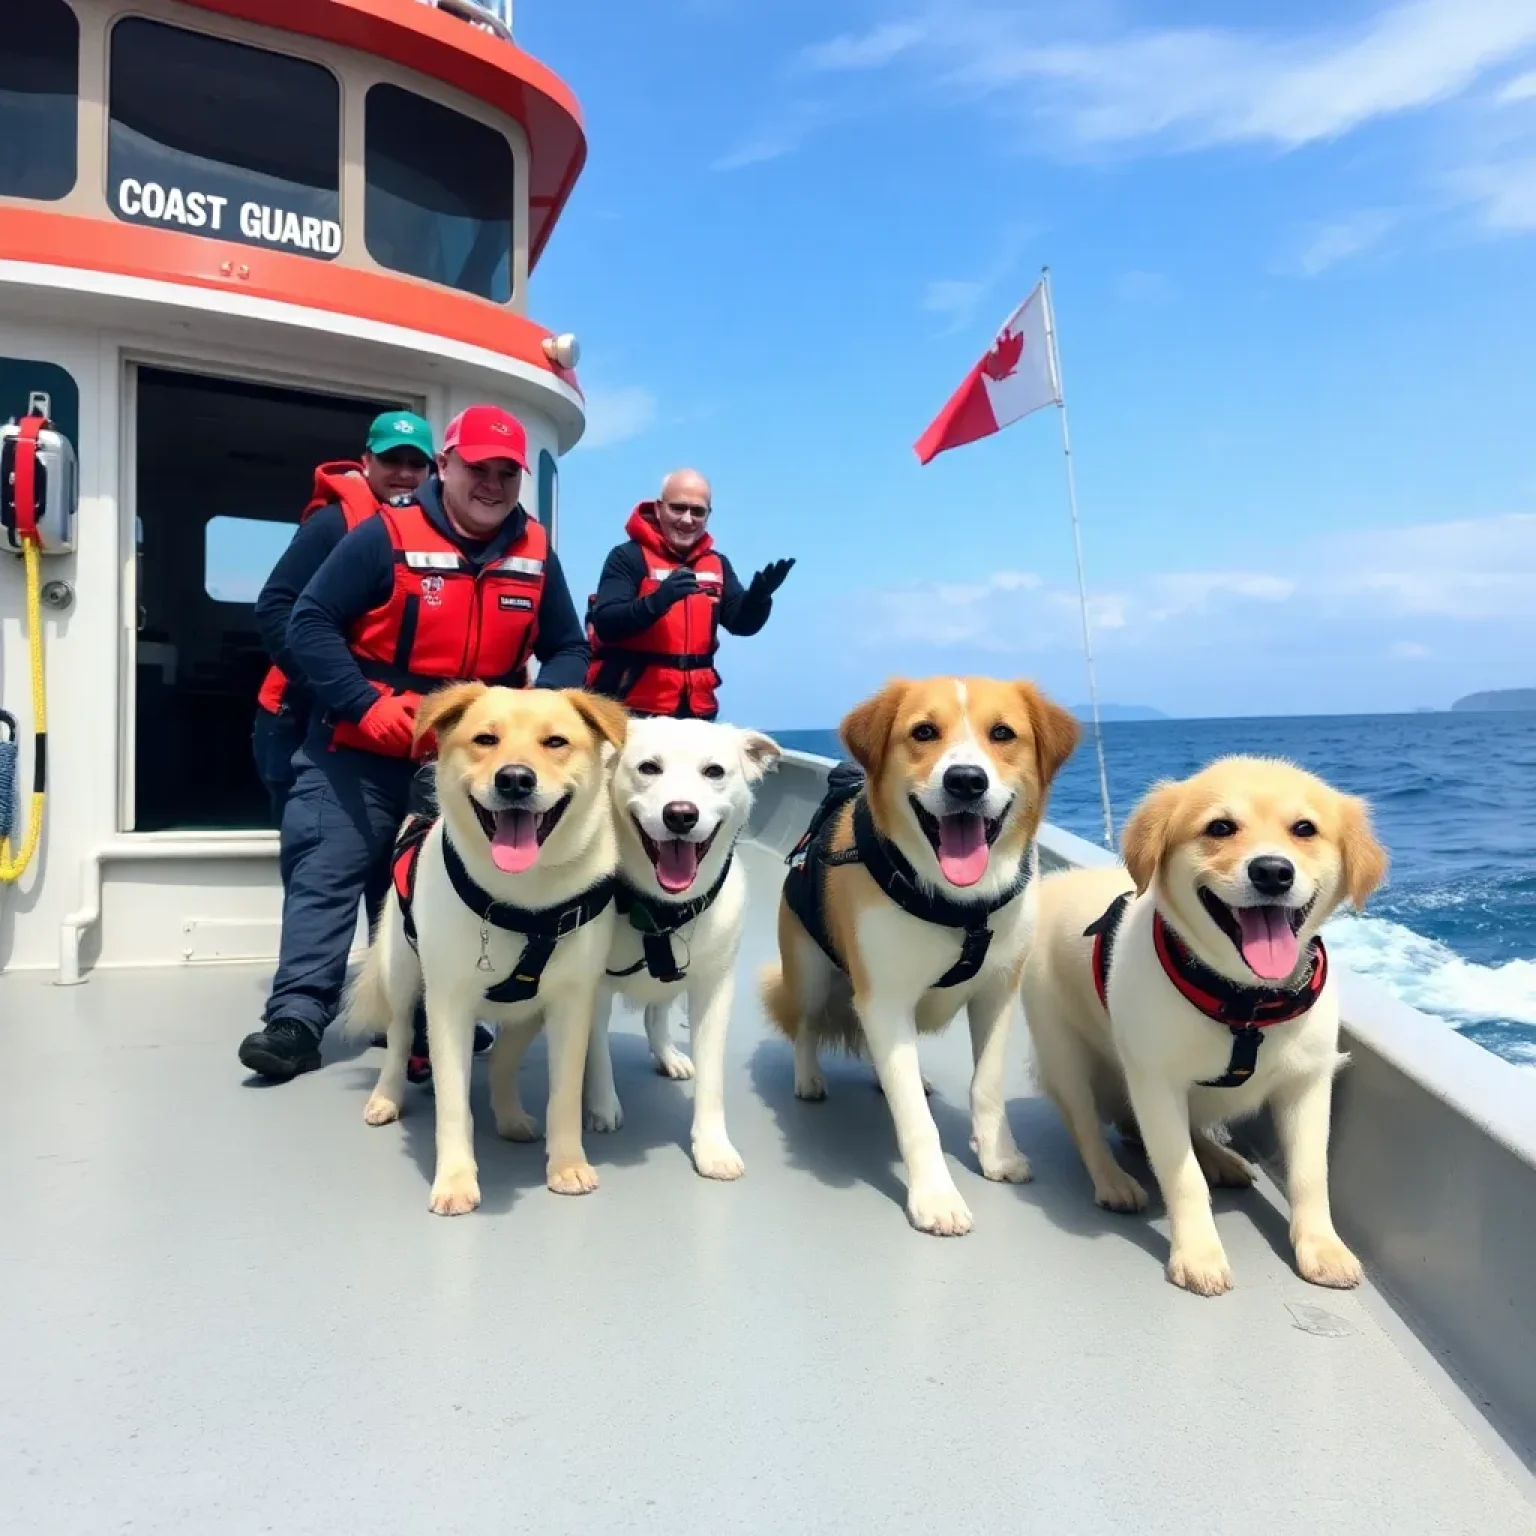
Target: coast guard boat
(231, 232)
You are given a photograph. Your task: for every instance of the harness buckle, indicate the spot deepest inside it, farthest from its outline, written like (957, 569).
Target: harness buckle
(570, 921)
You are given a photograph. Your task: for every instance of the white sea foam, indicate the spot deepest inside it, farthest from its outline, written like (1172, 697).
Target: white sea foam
(1432, 977)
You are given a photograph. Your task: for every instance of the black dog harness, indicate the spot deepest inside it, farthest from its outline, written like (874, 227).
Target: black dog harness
(542, 927)
(656, 921)
(1246, 1011)
(888, 867)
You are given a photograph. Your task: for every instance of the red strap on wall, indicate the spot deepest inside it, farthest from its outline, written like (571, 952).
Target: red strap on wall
(26, 476)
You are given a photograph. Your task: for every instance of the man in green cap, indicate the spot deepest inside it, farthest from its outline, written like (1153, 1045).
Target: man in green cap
(397, 456)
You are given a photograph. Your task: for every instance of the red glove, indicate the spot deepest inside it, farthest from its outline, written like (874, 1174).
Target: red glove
(389, 727)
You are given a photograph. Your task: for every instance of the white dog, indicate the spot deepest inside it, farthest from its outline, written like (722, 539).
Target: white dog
(502, 908)
(681, 794)
(1190, 989)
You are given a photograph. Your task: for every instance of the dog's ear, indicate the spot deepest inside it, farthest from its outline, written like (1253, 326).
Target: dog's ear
(759, 753)
(1365, 860)
(608, 719)
(1144, 840)
(443, 708)
(866, 729)
(1056, 730)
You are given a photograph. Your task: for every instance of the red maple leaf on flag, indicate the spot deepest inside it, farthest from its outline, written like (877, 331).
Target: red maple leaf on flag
(1004, 357)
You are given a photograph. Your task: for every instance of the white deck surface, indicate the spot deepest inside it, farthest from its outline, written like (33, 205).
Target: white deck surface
(226, 1309)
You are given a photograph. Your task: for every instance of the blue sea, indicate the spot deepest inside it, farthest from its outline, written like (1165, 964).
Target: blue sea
(1454, 797)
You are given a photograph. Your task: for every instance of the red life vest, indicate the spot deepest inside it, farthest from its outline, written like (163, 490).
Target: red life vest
(669, 667)
(341, 482)
(445, 620)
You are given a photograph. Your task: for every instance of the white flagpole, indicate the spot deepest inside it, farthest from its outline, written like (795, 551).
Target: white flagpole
(1077, 545)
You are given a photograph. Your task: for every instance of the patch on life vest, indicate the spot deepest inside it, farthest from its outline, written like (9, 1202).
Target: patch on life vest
(512, 600)
(432, 591)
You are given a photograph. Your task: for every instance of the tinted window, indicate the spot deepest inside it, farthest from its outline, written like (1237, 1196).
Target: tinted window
(216, 138)
(439, 202)
(238, 556)
(21, 377)
(549, 490)
(39, 84)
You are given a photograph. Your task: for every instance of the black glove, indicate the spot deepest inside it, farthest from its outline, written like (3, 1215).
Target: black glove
(679, 584)
(768, 580)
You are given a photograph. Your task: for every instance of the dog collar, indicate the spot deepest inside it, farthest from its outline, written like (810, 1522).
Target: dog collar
(656, 920)
(542, 927)
(1245, 1011)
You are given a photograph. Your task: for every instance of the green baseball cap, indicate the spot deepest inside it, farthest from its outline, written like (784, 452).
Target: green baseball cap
(400, 429)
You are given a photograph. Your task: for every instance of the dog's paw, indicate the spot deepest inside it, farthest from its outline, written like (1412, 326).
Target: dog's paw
(605, 1116)
(1008, 1166)
(938, 1209)
(716, 1158)
(517, 1125)
(380, 1111)
(1120, 1193)
(1204, 1271)
(455, 1192)
(1326, 1261)
(1222, 1167)
(812, 1089)
(571, 1178)
(672, 1063)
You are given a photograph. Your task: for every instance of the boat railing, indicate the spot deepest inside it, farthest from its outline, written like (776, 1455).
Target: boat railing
(494, 16)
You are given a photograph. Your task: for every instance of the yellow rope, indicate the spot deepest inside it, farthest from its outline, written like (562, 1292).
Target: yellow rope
(11, 869)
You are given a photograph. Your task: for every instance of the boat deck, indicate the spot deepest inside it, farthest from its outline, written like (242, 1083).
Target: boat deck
(227, 1309)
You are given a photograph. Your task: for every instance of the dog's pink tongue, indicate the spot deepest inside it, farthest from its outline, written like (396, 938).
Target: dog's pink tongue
(962, 848)
(677, 863)
(1269, 946)
(515, 846)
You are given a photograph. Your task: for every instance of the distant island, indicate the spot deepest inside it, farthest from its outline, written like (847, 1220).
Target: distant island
(1497, 698)
(1119, 712)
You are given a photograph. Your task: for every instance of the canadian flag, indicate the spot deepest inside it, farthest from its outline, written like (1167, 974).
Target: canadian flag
(1017, 376)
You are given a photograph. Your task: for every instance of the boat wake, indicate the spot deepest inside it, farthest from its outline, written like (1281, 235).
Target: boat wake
(1495, 1005)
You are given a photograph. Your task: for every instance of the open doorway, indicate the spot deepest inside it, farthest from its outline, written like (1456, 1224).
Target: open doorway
(223, 470)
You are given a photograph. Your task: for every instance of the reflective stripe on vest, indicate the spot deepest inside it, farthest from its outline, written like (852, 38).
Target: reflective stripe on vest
(443, 620)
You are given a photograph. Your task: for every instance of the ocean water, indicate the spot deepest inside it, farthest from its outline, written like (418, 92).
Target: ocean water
(1453, 932)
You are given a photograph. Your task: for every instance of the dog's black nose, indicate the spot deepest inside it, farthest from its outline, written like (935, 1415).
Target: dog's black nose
(516, 781)
(680, 816)
(965, 781)
(1271, 875)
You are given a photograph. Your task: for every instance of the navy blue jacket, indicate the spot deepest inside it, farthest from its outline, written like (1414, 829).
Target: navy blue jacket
(314, 539)
(359, 574)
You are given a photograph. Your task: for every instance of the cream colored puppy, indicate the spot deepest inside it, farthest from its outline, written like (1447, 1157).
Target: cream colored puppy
(503, 911)
(1190, 988)
(915, 900)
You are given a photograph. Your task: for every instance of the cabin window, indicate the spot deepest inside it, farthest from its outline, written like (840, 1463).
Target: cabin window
(549, 490)
(215, 138)
(439, 194)
(39, 99)
(238, 556)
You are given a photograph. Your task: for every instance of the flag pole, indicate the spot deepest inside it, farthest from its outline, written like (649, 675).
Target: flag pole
(1077, 545)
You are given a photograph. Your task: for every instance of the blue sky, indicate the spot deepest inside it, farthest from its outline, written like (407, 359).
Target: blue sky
(1292, 250)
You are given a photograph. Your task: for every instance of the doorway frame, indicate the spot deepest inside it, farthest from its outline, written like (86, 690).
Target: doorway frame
(426, 400)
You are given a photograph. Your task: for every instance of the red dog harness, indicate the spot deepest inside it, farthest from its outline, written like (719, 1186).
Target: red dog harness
(1245, 1011)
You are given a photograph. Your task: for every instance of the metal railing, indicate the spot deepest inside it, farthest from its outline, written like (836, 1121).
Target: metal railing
(494, 16)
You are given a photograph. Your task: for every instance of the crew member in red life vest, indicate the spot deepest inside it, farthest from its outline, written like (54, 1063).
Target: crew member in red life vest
(396, 458)
(459, 583)
(661, 600)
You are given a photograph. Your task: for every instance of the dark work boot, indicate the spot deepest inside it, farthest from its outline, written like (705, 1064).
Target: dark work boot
(281, 1050)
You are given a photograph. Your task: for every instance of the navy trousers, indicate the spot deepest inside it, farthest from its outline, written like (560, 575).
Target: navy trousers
(274, 740)
(339, 825)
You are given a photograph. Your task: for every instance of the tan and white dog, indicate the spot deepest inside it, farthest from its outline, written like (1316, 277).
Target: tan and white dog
(512, 894)
(923, 890)
(1217, 997)
(681, 793)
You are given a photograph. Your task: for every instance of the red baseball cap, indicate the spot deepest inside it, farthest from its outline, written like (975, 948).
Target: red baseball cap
(487, 432)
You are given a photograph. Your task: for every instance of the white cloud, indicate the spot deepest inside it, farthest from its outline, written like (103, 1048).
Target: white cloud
(1476, 572)
(1504, 194)
(871, 50)
(955, 299)
(1521, 88)
(782, 135)
(616, 415)
(1330, 244)
(1208, 85)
